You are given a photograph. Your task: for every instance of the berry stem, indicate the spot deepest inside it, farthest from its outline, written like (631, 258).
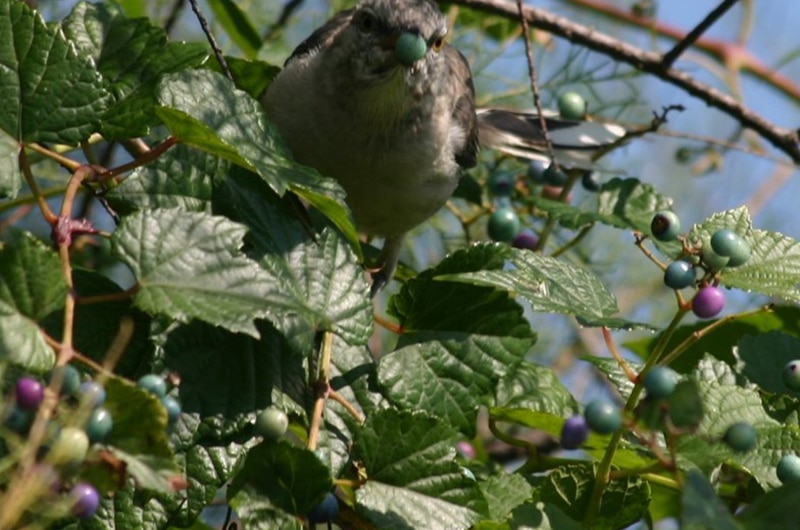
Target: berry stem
(323, 390)
(612, 348)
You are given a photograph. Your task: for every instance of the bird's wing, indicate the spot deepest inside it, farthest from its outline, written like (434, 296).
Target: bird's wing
(519, 133)
(464, 109)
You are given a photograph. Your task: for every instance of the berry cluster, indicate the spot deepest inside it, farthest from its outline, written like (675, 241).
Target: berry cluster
(79, 423)
(504, 224)
(660, 382)
(699, 265)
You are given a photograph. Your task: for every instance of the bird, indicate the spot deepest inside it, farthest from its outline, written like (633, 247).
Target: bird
(377, 99)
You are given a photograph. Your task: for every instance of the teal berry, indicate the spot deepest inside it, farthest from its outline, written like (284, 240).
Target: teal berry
(660, 382)
(504, 224)
(788, 469)
(665, 225)
(99, 425)
(410, 48)
(679, 274)
(271, 423)
(173, 409)
(554, 176)
(602, 417)
(591, 181)
(70, 379)
(571, 106)
(711, 259)
(791, 375)
(154, 384)
(501, 183)
(708, 301)
(536, 169)
(325, 511)
(741, 437)
(727, 243)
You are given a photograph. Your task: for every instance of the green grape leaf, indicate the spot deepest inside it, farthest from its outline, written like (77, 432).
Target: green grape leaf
(774, 265)
(32, 285)
(320, 286)
(227, 378)
(254, 512)
(626, 456)
(551, 286)
(50, 92)
(702, 509)
(535, 387)
(505, 492)
(767, 370)
(188, 265)
(180, 178)
(425, 303)
(205, 110)
(97, 325)
(569, 488)
(448, 377)
(292, 478)
(237, 25)
(729, 404)
(131, 54)
(773, 510)
(10, 176)
(721, 341)
(413, 479)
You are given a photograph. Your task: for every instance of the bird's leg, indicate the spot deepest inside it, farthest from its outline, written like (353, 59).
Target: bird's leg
(387, 263)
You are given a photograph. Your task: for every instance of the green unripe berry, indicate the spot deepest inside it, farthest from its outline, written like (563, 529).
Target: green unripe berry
(660, 382)
(665, 225)
(788, 469)
(741, 437)
(69, 448)
(272, 423)
(602, 417)
(728, 243)
(504, 224)
(791, 375)
(410, 48)
(571, 106)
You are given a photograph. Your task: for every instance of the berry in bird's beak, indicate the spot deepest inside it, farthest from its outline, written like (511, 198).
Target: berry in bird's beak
(409, 48)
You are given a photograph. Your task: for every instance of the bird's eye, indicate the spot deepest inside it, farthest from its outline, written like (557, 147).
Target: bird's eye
(437, 44)
(366, 22)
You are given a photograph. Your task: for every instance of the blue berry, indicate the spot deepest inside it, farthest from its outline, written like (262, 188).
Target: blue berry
(504, 224)
(154, 384)
(741, 437)
(679, 274)
(173, 408)
(410, 48)
(325, 511)
(92, 394)
(791, 375)
(554, 176)
(99, 425)
(788, 469)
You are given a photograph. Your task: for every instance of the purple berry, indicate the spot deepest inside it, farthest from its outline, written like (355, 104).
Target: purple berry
(526, 240)
(87, 500)
(574, 432)
(708, 302)
(30, 393)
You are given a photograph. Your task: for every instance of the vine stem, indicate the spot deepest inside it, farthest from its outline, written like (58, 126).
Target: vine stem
(322, 388)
